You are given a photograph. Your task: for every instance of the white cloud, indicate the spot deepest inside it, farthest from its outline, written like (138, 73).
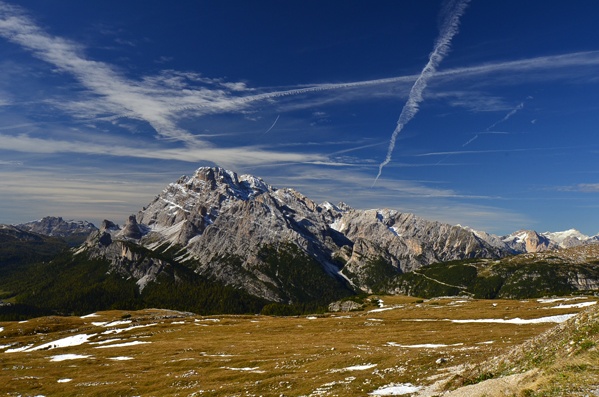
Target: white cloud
(165, 99)
(235, 157)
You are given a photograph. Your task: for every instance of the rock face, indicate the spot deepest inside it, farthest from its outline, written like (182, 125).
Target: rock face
(529, 241)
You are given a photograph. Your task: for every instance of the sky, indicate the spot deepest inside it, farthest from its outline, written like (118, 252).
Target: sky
(479, 113)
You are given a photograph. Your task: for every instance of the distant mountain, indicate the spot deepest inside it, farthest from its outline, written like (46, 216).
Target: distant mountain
(529, 241)
(74, 232)
(570, 238)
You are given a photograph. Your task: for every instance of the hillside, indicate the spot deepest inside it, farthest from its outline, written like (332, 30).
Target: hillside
(563, 361)
(530, 275)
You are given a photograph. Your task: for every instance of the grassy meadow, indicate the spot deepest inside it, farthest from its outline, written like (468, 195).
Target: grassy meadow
(399, 345)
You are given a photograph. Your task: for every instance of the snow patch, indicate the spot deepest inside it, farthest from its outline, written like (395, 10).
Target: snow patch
(384, 309)
(362, 367)
(18, 349)
(424, 346)
(74, 340)
(395, 389)
(553, 300)
(121, 358)
(64, 357)
(395, 231)
(119, 330)
(90, 315)
(574, 305)
(65, 380)
(136, 342)
(517, 320)
(103, 342)
(115, 323)
(246, 369)
(338, 225)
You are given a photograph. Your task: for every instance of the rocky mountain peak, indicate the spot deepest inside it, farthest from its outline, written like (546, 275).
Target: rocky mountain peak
(109, 225)
(568, 238)
(227, 182)
(529, 241)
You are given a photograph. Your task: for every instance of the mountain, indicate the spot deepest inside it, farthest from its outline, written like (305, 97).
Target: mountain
(531, 241)
(218, 242)
(278, 244)
(570, 238)
(74, 232)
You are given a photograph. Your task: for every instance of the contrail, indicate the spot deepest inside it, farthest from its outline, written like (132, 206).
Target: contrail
(449, 28)
(273, 124)
(507, 116)
(488, 130)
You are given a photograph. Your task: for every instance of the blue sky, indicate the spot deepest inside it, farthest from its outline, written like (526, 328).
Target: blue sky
(103, 103)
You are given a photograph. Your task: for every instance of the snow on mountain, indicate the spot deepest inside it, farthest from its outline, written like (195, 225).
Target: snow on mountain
(568, 238)
(58, 227)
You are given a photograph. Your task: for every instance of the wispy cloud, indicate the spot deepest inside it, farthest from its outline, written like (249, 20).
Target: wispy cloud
(434, 198)
(163, 100)
(52, 193)
(581, 187)
(241, 156)
(514, 150)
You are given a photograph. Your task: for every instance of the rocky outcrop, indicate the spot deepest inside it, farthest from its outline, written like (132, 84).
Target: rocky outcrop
(132, 230)
(345, 306)
(127, 258)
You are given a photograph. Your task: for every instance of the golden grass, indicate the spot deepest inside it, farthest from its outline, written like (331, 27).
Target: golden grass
(264, 356)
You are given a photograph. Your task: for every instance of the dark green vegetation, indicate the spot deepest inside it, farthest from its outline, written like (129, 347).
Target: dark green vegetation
(488, 279)
(299, 277)
(40, 275)
(75, 284)
(19, 248)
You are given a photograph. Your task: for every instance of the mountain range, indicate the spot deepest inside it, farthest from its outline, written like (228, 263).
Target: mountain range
(279, 246)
